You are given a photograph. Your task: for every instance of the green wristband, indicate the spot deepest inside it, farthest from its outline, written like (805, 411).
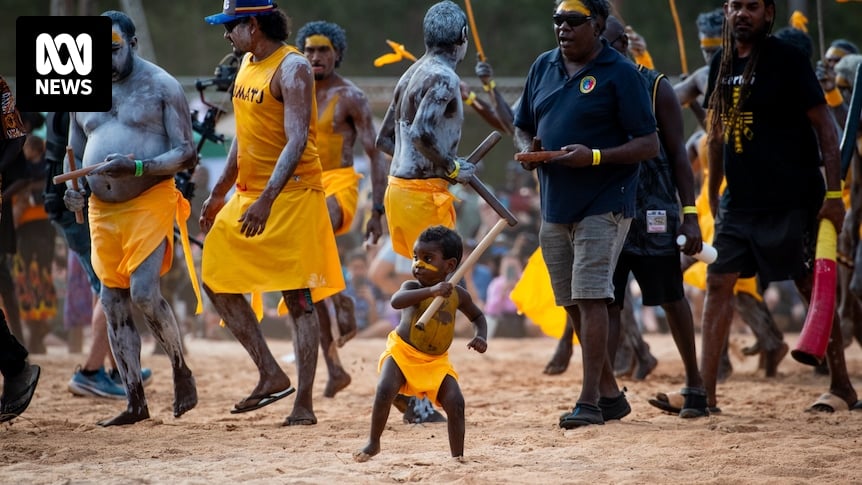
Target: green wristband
(139, 168)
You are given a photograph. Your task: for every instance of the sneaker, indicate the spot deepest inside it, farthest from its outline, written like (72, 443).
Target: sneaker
(98, 384)
(146, 376)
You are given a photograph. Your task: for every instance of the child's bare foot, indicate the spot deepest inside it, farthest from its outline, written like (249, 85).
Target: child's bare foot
(366, 453)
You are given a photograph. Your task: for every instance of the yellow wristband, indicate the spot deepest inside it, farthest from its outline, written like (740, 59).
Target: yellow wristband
(491, 85)
(834, 98)
(833, 194)
(455, 171)
(470, 98)
(139, 168)
(689, 209)
(597, 156)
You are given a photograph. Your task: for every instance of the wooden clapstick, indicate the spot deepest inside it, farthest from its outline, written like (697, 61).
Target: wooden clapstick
(538, 157)
(70, 154)
(74, 175)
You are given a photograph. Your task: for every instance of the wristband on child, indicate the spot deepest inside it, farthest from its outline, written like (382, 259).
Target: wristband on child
(597, 156)
(139, 168)
(833, 194)
(689, 209)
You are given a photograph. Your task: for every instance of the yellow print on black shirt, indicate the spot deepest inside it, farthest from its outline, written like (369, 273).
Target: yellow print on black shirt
(737, 124)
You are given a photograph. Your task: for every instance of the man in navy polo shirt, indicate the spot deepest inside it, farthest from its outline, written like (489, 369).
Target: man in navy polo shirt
(585, 98)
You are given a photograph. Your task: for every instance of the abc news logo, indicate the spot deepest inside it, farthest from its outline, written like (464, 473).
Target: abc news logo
(63, 63)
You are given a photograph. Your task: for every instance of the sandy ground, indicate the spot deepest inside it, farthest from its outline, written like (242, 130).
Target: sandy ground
(762, 436)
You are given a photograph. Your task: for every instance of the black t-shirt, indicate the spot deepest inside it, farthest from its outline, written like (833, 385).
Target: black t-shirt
(771, 155)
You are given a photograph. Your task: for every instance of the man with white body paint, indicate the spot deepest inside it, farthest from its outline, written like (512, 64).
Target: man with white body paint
(421, 130)
(143, 141)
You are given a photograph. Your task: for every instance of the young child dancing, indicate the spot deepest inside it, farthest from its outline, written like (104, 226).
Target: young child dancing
(416, 361)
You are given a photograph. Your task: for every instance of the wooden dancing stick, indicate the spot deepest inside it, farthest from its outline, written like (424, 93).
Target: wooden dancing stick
(480, 188)
(459, 273)
(506, 218)
(492, 91)
(70, 154)
(73, 174)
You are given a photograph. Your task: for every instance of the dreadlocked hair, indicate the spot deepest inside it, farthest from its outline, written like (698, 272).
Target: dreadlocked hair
(726, 110)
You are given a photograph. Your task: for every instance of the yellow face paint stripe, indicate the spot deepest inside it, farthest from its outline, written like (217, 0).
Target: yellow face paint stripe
(318, 40)
(574, 6)
(116, 38)
(424, 265)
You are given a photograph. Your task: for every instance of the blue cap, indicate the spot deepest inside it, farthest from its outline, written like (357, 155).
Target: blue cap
(234, 9)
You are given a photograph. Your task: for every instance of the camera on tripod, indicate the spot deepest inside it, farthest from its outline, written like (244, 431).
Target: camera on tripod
(224, 76)
(225, 73)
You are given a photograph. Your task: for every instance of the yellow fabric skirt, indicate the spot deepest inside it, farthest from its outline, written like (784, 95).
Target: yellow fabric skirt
(343, 184)
(124, 234)
(413, 205)
(296, 250)
(424, 372)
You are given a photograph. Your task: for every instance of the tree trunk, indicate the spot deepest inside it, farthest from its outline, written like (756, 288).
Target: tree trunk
(86, 7)
(135, 10)
(61, 8)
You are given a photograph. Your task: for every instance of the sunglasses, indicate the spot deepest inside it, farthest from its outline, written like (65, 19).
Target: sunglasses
(234, 23)
(574, 20)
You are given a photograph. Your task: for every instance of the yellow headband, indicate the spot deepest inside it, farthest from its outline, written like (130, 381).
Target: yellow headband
(708, 42)
(318, 40)
(836, 52)
(575, 6)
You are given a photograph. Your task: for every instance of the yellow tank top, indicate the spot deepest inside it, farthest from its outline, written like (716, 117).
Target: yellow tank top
(260, 127)
(440, 330)
(329, 143)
